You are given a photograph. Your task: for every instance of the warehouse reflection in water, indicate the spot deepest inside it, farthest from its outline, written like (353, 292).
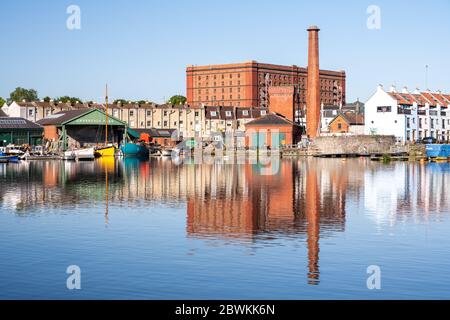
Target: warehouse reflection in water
(305, 199)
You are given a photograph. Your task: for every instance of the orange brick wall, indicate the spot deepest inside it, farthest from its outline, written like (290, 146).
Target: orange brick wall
(51, 133)
(291, 132)
(245, 85)
(334, 126)
(281, 101)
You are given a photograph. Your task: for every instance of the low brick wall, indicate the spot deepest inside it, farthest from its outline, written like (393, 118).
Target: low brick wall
(353, 144)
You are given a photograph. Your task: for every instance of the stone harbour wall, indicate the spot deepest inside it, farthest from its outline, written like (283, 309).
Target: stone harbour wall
(361, 144)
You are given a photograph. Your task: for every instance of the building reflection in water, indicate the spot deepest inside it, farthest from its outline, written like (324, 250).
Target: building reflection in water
(305, 199)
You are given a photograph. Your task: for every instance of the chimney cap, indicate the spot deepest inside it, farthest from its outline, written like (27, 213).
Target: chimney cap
(313, 28)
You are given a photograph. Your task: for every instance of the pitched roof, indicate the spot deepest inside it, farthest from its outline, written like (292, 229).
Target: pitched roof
(243, 113)
(422, 98)
(17, 123)
(2, 114)
(212, 113)
(353, 118)
(227, 113)
(270, 120)
(63, 116)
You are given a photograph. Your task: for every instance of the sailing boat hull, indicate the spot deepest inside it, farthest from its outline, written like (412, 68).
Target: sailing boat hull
(134, 150)
(105, 152)
(84, 154)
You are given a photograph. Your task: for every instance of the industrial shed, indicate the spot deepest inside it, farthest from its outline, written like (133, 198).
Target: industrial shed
(83, 128)
(19, 131)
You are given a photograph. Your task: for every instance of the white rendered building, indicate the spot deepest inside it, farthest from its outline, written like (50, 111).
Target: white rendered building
(408, 116)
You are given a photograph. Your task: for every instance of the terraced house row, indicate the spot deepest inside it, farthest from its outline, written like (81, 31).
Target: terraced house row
(408, 116)
(202, 121)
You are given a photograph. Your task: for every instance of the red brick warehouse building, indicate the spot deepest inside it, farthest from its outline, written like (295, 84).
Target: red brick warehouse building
(247, 84)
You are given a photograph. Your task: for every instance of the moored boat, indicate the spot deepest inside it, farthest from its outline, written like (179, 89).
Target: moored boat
(107, 151)
(69, 155)
(438, 150)
(168, 152)
(134, 150)
(6, 159)
(84, 154)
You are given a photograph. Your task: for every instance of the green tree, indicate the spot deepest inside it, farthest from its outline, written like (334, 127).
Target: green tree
(65, 99)
(20, 94)
(177, 99)
(2, 102)
(47, 99)
(121, 101)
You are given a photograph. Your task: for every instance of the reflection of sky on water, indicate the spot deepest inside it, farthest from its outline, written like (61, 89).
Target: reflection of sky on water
(331, 218)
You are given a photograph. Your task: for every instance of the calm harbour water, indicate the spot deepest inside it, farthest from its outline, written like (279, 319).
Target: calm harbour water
(165, 230)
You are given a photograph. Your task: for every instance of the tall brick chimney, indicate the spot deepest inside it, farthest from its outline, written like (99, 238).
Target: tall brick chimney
(313, 88)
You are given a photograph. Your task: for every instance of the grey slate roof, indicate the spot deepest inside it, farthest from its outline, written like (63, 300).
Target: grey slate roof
(17, 123)
(271, 119)
(63, 116)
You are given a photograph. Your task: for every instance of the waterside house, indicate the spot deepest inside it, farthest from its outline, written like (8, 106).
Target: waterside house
(272, 131)
(408, 116)
(347, 123)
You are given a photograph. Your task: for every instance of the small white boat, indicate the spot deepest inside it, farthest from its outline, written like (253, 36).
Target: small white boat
(85, 154)
(69, 155)
(168, 152)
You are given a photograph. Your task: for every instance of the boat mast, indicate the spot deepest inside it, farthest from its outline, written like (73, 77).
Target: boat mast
(106, 127)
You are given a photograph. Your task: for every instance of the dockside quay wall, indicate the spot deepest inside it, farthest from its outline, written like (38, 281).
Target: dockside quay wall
(361, 144)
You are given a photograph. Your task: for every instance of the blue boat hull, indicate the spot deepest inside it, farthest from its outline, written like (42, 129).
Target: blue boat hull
(13, 159)
(134, 150)
(438, 150)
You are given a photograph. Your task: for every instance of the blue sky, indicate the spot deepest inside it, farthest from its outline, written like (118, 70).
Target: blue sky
(141, 48)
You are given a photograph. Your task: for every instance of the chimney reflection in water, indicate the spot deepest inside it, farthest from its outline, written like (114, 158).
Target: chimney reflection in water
(312, 208)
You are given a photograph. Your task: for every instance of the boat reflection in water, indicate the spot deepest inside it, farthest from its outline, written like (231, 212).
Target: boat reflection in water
(305, 200)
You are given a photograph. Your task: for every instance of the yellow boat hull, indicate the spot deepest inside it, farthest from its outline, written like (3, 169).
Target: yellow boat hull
(105, 152)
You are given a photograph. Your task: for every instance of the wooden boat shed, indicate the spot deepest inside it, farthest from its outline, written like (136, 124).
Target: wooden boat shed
(19, 131)
(83, 128)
